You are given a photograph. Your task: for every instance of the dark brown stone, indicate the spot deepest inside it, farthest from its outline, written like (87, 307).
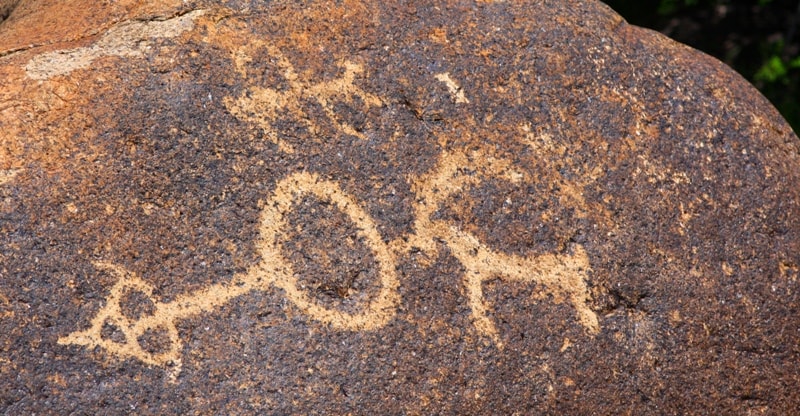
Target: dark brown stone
(248, 207)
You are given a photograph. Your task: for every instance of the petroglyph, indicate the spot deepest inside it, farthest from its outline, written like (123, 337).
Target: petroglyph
(273, 270)
(126, 39)
(263, 105)
(455, 90)
(381, 309)
(110, 317)
(561, 276)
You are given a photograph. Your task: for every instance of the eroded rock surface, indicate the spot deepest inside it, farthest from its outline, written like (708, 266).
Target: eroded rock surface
(376, 208)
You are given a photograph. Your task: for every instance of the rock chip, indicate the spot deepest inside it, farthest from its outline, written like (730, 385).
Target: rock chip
(451, 207)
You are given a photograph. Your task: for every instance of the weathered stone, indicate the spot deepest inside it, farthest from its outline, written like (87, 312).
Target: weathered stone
(387, 208)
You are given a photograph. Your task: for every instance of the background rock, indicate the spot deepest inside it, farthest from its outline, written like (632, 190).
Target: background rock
(241, 207)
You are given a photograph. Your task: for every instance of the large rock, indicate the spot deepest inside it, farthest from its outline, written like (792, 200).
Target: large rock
(387, 208)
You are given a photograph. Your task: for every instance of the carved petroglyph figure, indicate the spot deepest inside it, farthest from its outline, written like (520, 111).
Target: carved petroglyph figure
(274, 269)
(562, 276)
(263, 105)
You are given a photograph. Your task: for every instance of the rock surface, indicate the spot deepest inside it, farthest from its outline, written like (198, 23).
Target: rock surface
(248, 207)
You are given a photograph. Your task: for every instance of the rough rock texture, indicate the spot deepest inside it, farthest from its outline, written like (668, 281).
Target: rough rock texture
(347, 207)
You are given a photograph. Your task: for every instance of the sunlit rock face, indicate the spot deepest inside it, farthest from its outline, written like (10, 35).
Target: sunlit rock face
(249, 207)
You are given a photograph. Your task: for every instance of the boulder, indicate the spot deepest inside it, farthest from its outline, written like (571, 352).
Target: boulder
(454, 207)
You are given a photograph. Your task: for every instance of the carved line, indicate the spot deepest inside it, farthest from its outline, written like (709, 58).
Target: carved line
(562, 275)
(273, 269)
(381, 309)
(263, 105)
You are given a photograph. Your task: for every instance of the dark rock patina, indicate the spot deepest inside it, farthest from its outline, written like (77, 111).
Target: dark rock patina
(350, 207)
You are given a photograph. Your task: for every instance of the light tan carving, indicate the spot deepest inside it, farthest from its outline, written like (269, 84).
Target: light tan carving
(111, 315)
(562, 276)
(455, 91)
(263, 105)
(278, 271)
(274, 269)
